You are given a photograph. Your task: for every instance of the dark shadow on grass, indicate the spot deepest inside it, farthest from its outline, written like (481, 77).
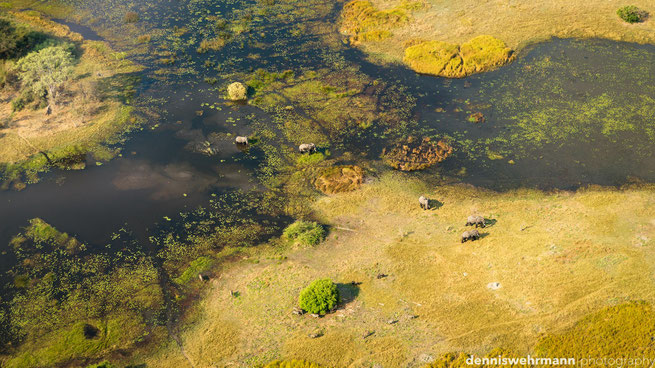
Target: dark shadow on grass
(348, 292)
(434, 204)
(490, 222)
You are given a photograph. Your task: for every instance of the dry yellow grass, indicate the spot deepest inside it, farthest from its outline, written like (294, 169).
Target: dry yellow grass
(557, 256)
(517, 22)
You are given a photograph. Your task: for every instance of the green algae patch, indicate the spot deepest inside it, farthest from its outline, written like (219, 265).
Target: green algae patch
(364, 22)
(445, 59)
(71, 304)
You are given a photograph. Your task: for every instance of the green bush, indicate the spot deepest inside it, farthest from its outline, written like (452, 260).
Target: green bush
(320, 297)
(17, 104)
(631, 14)
(307, 233)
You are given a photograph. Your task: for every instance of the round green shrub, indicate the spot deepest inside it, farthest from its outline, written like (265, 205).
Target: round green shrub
(631, 14)
(307, 233)
(320, 297)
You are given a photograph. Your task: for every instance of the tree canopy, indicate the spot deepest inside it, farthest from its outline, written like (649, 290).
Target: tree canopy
(45, 71)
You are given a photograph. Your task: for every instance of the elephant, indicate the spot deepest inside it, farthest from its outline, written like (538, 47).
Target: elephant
(424, 202)
(475, 220)
(307, 148)
(471, 235)
(241, 140)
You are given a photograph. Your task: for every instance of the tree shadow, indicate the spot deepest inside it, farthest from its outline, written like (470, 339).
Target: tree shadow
(348, 292)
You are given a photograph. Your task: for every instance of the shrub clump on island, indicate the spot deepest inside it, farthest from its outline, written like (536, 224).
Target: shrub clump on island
(237, 91)
(632, 14)
(480, 54)
(307, 233)
(320, 297)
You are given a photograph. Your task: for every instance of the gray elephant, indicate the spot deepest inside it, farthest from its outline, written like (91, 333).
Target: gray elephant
(307, 148)
(476, 220)
(471, 235)
(241, 140)
(424, 202)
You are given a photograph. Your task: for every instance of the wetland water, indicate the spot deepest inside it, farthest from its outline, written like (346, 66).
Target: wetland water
(565, 114)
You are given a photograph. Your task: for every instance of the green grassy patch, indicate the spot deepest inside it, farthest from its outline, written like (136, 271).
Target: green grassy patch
(305, 232)
(197, 266)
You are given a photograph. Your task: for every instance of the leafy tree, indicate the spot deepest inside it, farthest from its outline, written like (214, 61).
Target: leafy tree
(320, 297)
(44, 72)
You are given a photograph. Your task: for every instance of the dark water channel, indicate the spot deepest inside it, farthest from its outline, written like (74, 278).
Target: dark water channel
(546, 125)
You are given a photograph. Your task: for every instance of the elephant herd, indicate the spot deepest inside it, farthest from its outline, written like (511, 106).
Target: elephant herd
(473, 220)
(303, 148)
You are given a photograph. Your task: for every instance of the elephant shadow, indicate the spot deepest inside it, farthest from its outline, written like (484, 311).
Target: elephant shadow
(489, 222)
(434, 204)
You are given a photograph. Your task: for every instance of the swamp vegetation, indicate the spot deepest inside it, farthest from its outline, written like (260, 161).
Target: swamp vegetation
(175, 247)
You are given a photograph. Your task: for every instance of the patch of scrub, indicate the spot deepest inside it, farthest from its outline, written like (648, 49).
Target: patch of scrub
(414, 154)
(480, 54)
(338, 179)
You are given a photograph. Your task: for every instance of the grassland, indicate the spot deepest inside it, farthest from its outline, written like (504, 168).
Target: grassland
(559, 258)
(92, 111)
(516, 23)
